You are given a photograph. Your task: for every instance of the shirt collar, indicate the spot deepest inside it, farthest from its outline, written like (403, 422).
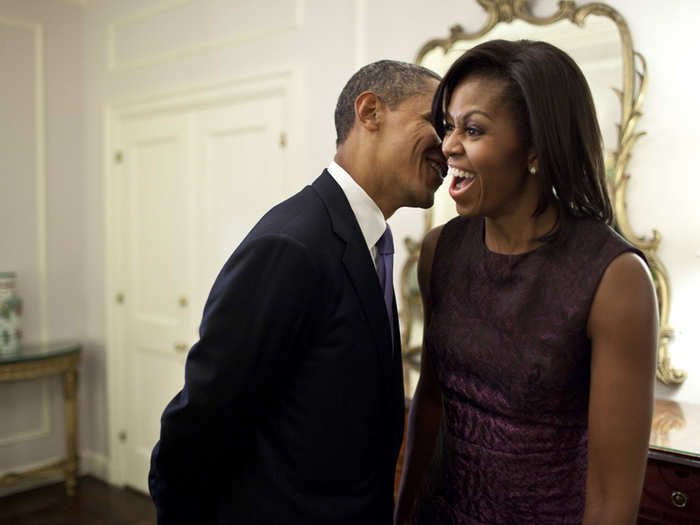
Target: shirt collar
(367, 213)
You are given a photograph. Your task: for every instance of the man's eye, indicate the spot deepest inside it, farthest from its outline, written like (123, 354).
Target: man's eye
(448, 127)
(472, 132)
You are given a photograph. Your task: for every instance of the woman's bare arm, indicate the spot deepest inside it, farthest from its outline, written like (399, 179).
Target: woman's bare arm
(623, 328)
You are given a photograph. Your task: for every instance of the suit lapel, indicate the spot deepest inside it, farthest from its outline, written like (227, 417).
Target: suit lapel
(399, 400)
(358, 265)
(360, 269)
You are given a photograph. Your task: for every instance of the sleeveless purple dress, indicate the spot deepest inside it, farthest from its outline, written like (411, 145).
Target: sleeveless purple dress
(507, 338)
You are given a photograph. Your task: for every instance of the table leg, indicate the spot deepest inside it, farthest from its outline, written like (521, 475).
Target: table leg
(70, 409)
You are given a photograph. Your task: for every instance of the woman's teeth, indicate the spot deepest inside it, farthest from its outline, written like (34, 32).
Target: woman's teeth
(461, 178)
(456, 172)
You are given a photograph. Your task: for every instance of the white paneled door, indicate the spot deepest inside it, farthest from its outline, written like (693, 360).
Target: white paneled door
(188, 185)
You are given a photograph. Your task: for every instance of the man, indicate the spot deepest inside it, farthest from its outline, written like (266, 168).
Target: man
(292, 409)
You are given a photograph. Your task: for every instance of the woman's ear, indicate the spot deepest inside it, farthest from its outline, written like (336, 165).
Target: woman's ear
(368, 109)
(532, 165)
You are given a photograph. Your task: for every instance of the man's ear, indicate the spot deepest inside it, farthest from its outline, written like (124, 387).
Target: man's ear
(368, 110)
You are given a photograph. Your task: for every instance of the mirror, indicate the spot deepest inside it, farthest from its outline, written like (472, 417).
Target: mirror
(596, 36)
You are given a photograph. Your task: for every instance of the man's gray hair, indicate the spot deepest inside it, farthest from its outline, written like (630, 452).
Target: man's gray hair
(392, 81)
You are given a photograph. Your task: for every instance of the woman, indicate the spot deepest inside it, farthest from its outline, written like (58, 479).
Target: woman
(537, 372)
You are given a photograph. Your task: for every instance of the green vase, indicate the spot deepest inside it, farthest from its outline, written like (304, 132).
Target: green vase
(10, 314)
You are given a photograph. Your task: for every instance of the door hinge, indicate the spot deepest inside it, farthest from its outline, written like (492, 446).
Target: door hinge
(122, 436)
(118, 157)
(283, 139)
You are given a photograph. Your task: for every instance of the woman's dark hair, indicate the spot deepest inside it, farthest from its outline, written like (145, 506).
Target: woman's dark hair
(554, 114)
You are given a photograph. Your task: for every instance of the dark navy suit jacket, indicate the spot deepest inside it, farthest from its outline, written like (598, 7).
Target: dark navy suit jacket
(293, 404)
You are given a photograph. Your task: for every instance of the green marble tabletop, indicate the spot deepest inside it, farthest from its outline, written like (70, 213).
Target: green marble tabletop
(38, 351)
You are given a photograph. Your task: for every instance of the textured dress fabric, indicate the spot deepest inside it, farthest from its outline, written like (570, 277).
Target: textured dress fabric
(507, 338)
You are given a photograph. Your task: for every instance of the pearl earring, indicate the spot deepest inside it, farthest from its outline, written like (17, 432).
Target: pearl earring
(532, 170)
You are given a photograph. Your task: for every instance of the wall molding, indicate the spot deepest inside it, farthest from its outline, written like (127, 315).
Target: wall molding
(169, 101)
(44, 429)
(37, 31)
(115, 65)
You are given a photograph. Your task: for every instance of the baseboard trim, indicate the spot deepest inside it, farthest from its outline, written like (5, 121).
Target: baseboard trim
(94, 464)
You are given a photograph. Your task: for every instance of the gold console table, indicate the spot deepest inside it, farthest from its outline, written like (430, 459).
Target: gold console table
(41, 360)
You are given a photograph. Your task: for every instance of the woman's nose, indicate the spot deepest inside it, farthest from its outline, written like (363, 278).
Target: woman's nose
(450, 145)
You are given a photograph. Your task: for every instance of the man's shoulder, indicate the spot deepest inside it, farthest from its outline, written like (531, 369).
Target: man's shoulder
(302, 203)
(303, 217)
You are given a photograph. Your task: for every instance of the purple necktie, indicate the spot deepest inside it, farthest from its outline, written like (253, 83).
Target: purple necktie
(385, 268)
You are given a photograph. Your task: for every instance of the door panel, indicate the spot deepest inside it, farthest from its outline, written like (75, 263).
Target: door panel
(158, 235)
(156, 239)
(155, 381)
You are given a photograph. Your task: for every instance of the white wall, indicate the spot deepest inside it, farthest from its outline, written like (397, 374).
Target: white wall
(664, 187)
(158, 46)
(41, 211)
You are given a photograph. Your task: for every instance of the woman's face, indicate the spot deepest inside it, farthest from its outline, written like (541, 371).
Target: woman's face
(487, 159)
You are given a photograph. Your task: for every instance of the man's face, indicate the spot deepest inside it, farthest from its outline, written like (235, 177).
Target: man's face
(410, 158)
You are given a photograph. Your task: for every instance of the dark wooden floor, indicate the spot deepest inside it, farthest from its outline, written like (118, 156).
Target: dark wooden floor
(95, 503)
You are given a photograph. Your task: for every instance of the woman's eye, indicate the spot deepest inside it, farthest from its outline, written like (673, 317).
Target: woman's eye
(470, 131)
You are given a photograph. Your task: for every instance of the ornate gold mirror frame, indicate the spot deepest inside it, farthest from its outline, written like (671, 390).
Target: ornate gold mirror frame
(631, 96)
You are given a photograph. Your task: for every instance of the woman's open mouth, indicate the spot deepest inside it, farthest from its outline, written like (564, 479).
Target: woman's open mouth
(461, 180)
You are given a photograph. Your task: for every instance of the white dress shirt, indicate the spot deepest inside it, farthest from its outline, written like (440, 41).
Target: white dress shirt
(368, 215)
